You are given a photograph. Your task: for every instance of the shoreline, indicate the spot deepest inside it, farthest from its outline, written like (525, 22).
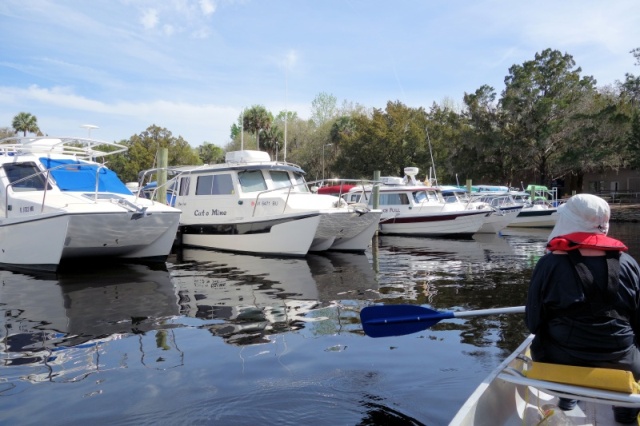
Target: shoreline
(625, 213)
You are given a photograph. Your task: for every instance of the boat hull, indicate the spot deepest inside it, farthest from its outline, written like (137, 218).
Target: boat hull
(125, 235)
(348, 230)
(499, 220)
(535, 218)
(34, 243)
(464, 223)
(284, 235)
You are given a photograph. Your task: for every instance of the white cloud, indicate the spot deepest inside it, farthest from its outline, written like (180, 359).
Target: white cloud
(149, 19)
(208, 7)
(168, 30)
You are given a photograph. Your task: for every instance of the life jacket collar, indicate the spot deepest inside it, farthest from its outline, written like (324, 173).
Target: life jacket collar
(578, 240)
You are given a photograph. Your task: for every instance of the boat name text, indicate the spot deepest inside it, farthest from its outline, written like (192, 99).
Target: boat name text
(213, 212)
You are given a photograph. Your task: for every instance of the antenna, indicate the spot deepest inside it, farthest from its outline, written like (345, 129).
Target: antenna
(433, 164)
(89, 127)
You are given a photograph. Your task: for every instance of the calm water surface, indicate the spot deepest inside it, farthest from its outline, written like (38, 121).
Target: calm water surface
(217, 338)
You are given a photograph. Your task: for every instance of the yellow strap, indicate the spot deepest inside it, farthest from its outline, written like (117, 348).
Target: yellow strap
(597, 378)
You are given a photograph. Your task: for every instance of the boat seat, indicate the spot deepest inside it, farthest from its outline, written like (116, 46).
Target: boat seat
(598, 378)
(600, 385)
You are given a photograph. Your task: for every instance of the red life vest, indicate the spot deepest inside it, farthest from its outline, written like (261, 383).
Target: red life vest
(586, 240)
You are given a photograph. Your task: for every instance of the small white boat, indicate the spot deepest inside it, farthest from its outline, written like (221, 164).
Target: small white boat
(540, 207)
(251, 204)
(536, 216)
(523, 212)
(60, 204)
(411, 208)
(519, 392)
(503, 213)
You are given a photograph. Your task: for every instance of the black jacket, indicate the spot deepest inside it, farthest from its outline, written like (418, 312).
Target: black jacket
(572, 328)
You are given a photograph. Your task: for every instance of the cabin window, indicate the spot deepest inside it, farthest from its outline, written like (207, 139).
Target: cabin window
(214, 185)
(432, 196)
(25, 177)
(280, 179)
(420, 196)
(184, 185)
(394, 199)
(300, 183)
(252, 181)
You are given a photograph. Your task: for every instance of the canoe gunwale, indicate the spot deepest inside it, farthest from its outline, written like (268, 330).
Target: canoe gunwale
(571, 391)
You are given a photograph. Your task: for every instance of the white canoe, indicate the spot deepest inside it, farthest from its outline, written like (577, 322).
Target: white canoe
(509, 397)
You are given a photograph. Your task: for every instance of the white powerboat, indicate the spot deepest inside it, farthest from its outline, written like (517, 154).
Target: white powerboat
(540, 207)
(411, 208)
(503, 213)
(60, 204)
(251, 204)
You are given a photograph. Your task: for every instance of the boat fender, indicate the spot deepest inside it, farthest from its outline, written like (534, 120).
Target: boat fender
(361, 211)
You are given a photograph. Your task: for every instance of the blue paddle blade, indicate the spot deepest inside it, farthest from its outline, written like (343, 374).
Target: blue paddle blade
(397, 320)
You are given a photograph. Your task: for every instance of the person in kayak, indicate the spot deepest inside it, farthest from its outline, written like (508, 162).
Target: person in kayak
(584, 296)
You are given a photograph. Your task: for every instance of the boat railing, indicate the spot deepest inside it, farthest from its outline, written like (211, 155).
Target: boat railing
(83, 148)
(169, 185)
(363, 184)
(288, 188)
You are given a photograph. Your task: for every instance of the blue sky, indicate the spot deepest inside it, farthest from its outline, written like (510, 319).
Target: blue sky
(192, 66)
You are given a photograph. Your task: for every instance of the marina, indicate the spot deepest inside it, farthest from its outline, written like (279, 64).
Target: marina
(221, 338)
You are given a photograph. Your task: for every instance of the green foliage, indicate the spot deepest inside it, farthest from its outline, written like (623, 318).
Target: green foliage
(388, 141)
(323, 108)
(210, 153)
(25, 123)
(142, 151)
(539, 100)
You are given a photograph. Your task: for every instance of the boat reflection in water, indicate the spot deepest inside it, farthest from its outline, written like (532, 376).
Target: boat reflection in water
(476, 249)
(56, 327)
(419, 268)
(245, 299)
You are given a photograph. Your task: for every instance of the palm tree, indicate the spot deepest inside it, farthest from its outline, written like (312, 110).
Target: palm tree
(25, 122)
(257, 119)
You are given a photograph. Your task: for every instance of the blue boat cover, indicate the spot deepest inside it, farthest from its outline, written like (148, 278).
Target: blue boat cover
(81, 176)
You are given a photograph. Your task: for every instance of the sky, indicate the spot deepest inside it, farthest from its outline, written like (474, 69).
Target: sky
(192, 66)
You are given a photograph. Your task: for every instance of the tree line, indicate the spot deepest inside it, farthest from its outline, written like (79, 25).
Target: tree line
(549, 123)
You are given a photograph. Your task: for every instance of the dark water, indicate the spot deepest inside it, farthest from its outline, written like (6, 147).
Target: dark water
(216, 338)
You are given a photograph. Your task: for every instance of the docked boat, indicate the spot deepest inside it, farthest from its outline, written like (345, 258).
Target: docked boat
(56, 192)
(540, 207)
(411, 208)
(522, 392)
(503, 213)
(251, 204)
(539, 211)
(536, 216)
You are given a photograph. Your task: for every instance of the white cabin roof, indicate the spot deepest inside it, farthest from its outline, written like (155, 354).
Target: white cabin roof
(246, 156)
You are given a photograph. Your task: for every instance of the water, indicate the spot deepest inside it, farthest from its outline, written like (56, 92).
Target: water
(217, 338)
